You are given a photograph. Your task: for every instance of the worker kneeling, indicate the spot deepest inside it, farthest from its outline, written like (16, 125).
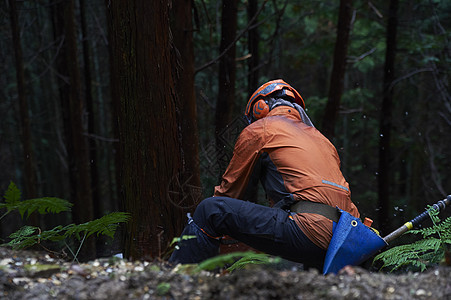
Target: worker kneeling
(300, 172)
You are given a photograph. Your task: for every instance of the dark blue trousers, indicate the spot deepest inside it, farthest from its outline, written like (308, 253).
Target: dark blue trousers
(270, 230)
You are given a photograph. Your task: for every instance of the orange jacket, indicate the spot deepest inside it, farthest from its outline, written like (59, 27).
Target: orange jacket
(291, 160)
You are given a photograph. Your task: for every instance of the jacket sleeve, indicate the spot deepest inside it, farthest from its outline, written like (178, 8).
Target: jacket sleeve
(245, 155)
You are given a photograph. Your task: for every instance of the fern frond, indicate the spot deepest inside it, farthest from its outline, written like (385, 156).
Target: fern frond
(24, 231)
(29, 235)
(12, 197)
(419, 254)
(422, 253)
(24, 237)
(442, 228)
(105, 225)
(433, 214)
(55, 234)
(43, 206)
(12, 194)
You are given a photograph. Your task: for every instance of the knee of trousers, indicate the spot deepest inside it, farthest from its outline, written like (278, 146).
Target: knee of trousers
(205, 209)
(205, 215)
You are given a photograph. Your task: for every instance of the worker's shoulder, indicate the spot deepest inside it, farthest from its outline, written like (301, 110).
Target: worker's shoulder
(288, 122)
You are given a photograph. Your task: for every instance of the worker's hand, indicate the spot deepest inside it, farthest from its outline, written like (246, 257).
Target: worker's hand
(282, 204)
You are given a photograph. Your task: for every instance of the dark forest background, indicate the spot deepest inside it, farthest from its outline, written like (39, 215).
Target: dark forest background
(135, 105)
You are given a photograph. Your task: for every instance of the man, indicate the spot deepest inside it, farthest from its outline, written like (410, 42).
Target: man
(300, 172)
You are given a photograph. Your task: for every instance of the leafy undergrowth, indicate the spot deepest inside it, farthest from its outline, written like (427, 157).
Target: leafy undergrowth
(35, 275)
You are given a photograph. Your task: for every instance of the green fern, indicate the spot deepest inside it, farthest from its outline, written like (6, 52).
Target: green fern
(29, 235)
(42, 205)
(429, 250)
(12, 194)
(106, 225)
(24, 237)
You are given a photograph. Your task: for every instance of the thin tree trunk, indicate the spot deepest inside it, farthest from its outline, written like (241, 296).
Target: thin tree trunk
(72, 106)
(338, 69)
(386, 118)
(98, 203)
(253, 41)
(97, 211)
(143, 67)
(227, 75)
(28, 155)
(116, 47)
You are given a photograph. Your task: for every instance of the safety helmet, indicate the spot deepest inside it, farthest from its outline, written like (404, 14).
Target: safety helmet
(258, 108)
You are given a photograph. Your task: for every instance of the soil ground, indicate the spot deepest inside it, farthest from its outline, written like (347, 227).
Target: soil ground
(36, 275)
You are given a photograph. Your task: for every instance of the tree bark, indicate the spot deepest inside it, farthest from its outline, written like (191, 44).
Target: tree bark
(145, 96)
(338, 69)
(182, 25)
(386, 118)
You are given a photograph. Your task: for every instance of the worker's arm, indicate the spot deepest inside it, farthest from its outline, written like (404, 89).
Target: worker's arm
(236, 179)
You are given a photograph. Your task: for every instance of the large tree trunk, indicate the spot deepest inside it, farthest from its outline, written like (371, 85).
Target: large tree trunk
(338, 69)
(145, 96)
(182, 26)
(386, 118)
(72, 107)
(226, 83)
(28, 154)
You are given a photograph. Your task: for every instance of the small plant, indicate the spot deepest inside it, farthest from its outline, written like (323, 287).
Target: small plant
(30, 235)
(163, 288)
(253, 258)
(427, 251)
(237, 260)
(174, 245)
(179, 239)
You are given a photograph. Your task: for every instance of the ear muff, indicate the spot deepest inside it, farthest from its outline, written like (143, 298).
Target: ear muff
(260, 109)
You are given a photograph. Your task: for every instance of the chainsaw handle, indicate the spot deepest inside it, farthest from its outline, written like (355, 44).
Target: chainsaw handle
(440, 205)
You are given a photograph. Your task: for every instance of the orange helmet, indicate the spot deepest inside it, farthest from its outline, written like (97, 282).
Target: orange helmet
(257, 108)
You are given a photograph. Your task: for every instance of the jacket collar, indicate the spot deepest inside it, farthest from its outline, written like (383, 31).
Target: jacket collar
(287, 111)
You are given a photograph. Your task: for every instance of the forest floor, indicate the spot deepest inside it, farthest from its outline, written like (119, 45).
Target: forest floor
(35, 275)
